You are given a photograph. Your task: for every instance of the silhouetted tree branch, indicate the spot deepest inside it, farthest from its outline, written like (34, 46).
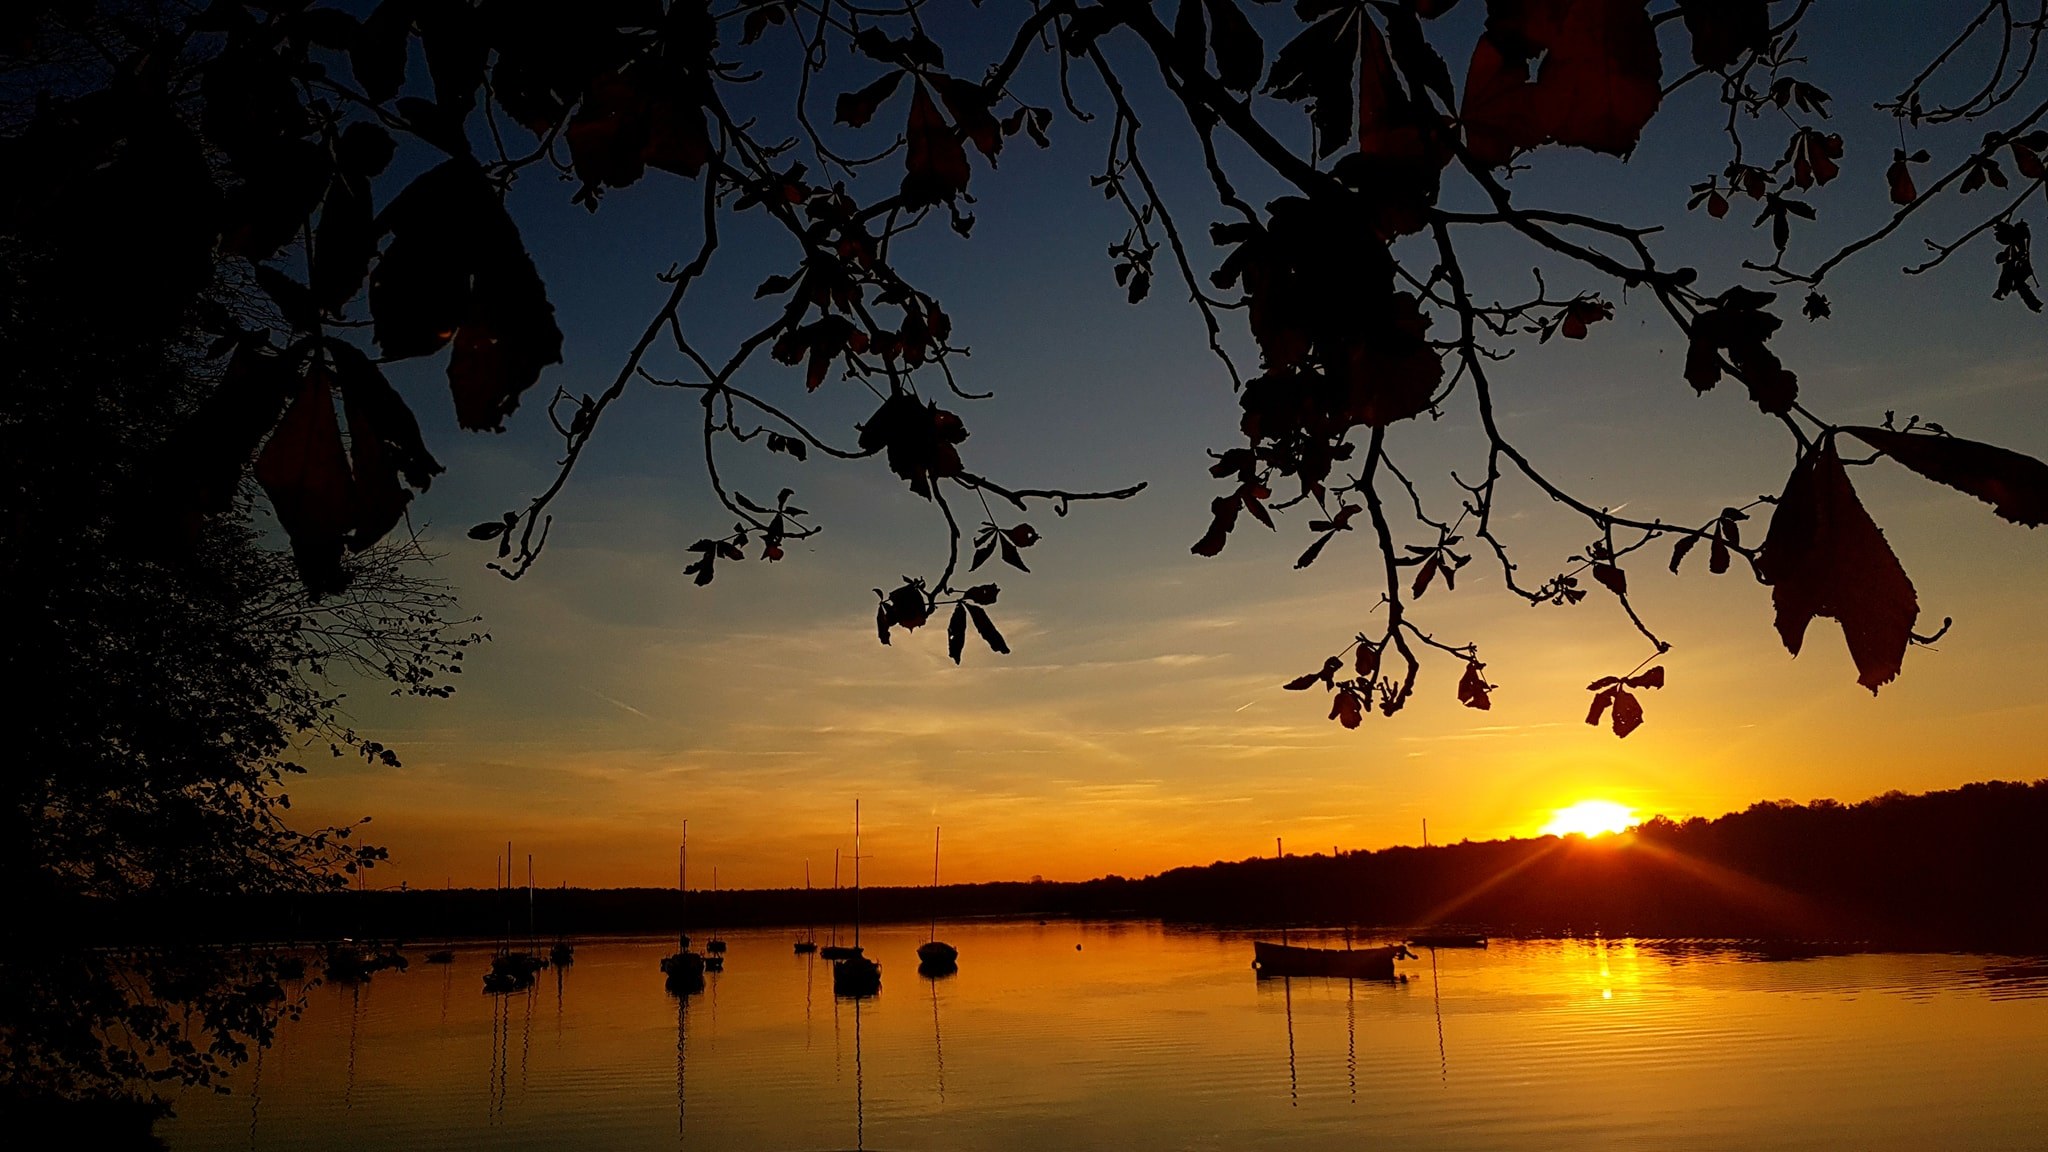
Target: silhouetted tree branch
(285, 124)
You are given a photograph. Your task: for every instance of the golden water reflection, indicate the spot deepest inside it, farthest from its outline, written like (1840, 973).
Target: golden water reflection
(1148, 1038)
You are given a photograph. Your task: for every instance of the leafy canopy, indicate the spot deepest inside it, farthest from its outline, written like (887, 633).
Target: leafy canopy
(270, 132)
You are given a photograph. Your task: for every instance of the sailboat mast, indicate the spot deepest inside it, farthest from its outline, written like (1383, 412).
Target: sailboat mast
(935, 882)
(529, 900)
(856, 873)
(1280, 854)
(683, 882)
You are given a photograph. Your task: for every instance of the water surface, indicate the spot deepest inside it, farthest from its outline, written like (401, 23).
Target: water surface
(1145, 1038)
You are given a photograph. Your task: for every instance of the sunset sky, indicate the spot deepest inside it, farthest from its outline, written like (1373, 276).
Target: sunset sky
(1140, 723)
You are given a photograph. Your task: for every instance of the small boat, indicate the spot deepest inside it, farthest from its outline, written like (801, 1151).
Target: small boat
(1270, 959)
(715, 947)
(441, 956)
(347, 963)
(563, 954)
(504, 983)
(809, 943)
(1447, 940)
(857, 977)
(935, 957)
(511, 972)
(853, 973)
(683, 970)
(838, 952)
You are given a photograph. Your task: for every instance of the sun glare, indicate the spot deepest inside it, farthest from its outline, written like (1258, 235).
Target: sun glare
(1590, 818)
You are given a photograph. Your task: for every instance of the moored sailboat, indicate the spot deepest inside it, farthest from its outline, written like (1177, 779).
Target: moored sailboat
(810, 941)
(683, 969)
(855, 974)
(935, 957)
(714, 948)
(513, 970)
(835, 950)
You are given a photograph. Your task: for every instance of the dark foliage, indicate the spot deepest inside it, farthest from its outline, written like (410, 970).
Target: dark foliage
(165, 669)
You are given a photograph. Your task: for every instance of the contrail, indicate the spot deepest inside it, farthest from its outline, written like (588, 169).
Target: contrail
(617, 703)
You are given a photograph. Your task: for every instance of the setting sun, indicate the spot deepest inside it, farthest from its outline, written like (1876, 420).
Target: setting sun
(1590, 818)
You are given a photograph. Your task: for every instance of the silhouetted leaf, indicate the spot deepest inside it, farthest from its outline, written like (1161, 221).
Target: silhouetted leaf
(920, 440)
(1899, 178)
(1473, 690)
(305, 472)
(345, 242)
(1309, 557)
(1823, 556)
(987, 630)
(1679, 550)
(935, 165)
(1628, 712)
(1346, 708)
(455, 270)
(1602, 79)
(2015, 485)
(1222, 518)
(1240, 54)
(1723, 30)
(1603, 701)
(855, 109)
(1430, 568)
(1368, 661)
(1612, 578)
(1654, 678)
(204, 463)
(364, 149)
(956, 632)
(294, 300)
(378, 55)
(1738, 326)
(384, 448)
(968, 103)
(1599, 82)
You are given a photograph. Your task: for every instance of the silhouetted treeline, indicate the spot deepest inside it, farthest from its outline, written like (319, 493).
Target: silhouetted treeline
(1958, 868)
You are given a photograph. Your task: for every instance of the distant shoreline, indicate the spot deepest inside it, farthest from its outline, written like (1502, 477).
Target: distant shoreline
(1963, 868)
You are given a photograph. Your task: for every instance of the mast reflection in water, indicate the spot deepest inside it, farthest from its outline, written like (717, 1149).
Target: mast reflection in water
(1156, 1039)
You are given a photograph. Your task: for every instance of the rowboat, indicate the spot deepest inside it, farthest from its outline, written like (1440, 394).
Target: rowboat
(1447, 940)
(1270, 959)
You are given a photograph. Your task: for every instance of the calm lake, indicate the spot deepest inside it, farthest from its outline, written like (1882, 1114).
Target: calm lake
(1147, 1037)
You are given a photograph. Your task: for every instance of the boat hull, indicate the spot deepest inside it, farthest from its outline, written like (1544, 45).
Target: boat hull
(1448, 940)
(684, 971)
(1270, 959)
(838, 952)
(856, 976)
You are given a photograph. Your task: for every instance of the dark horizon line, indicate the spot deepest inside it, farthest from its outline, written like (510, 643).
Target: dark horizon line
(1340, 853)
